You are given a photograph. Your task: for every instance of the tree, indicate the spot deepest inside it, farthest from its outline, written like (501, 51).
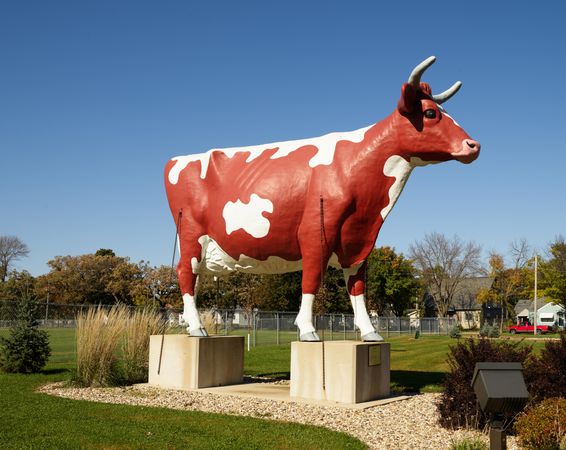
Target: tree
(11, 249)
(443, 264)
(100, 278)
(391, 281)
(17, 285)
(509, 283)
(553, 272)
(26, 350)
(160, 285)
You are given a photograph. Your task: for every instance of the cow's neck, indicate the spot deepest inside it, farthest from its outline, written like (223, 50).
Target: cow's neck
(383, 169)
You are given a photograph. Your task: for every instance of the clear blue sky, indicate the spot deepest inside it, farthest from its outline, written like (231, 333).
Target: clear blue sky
(96, 96)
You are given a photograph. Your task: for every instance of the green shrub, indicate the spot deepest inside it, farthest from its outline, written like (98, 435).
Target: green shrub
(417, 334)
(455, 332)
(491, 331)
(546, 373)
(543, 427)
(457, 405)
(469, 444)
(26, 350)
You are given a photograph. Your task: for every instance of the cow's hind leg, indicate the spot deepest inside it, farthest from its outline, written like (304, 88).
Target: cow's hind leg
(187, 271)
(355, 282)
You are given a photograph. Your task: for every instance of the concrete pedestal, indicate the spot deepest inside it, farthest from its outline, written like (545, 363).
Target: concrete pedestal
(340, 371)
(195, 362)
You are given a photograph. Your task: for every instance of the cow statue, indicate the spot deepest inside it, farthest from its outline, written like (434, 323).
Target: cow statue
(306, 204)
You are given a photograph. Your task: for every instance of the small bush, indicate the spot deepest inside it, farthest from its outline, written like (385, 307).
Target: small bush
(469, 444)
(417, 334)
(457, 405)
(543, 427)
(26, 350)
(491, 331)
(546, 373)
(455, 332)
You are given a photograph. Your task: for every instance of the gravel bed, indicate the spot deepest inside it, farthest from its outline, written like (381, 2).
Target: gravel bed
(405, 424)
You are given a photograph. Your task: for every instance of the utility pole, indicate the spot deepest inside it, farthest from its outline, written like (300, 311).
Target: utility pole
(536, 280)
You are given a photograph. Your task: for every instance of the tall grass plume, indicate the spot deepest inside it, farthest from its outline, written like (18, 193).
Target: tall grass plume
(113, 345)
(141, 324)
(99, 333)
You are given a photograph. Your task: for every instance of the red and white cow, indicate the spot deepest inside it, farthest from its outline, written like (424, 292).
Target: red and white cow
(307, 204)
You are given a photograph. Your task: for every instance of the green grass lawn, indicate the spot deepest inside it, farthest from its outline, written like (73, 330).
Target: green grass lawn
(31, 420)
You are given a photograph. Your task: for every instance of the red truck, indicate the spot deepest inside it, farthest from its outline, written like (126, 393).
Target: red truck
(528, 328)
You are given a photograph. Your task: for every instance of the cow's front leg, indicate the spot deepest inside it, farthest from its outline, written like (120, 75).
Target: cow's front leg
(355, 282)
(312, 276)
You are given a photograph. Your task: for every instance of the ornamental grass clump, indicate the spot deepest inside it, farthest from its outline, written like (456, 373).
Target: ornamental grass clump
(99, 334)
(140, 325)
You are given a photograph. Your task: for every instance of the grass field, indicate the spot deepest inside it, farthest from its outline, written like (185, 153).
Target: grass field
(30, 420)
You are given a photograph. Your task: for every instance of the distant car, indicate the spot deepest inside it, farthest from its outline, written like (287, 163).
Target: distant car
(527, 328)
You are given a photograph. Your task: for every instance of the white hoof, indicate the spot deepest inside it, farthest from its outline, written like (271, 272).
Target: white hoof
(198, 332)
(372, 337)
(309, 337)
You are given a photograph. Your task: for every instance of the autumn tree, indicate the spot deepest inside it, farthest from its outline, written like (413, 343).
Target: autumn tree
(443, 264)
(17, 285)
(160, 285)
(509, 282)
(391, 281)
(553, 272)
(11, 249)
(100, 278)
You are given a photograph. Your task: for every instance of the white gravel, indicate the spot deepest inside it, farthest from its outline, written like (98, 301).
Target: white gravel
(406, 424)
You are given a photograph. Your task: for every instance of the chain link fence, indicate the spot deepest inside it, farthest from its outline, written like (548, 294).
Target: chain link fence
(259, 327)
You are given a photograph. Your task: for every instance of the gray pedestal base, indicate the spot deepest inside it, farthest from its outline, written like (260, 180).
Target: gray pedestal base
(185, 362)
(340, 371)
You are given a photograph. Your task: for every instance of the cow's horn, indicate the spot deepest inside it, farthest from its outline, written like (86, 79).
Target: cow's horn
(415, 77)
(441, 98)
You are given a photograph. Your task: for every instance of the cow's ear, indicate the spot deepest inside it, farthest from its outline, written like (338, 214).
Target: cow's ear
(408, 99)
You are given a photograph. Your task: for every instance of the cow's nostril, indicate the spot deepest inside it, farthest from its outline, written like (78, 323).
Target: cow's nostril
(471, 144)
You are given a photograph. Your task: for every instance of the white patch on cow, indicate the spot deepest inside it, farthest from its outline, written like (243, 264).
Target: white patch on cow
(399, 168)
(215, 260)
(326, 147)
(248, 216)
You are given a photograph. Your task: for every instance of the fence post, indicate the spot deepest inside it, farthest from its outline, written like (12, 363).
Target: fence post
(344, 325)
(255, 328)
(277, 318)
(46, 311)
(226, 322)
(387, 327)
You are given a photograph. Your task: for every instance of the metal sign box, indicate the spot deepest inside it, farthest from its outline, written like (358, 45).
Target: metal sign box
(500, 386)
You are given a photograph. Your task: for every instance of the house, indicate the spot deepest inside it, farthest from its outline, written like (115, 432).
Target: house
(548, 312)
(464, 307)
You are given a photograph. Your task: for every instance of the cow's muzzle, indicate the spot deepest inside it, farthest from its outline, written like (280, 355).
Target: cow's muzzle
(469, 152)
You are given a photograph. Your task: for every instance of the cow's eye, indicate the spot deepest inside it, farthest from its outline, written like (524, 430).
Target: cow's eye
(430, 114)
